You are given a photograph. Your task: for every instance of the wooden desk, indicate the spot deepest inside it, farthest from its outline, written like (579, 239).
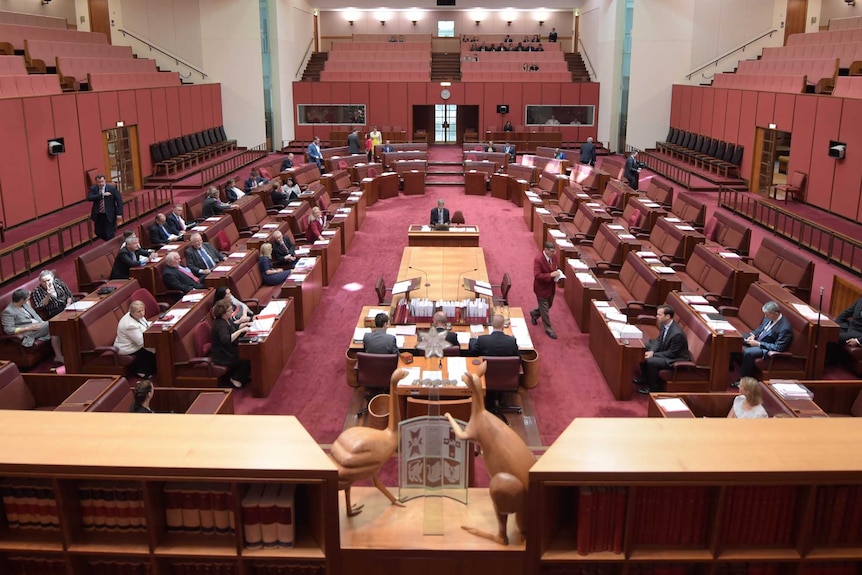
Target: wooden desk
(802, 407)
(543, 222)
(444, 269)
(356, 201)
(162, 336)
(743, 276)
(344, 220)
(500, 186)
(650, 209)
(531, 201)
(666, 282)
(618, 359)
(329, 248)
(474, 183)
(65, 324)
(370, 188)
(387, 185)
(359, 171)
(517, 189)
(146, 274)
(656, 409)
(414, 183)
(265, 234)
(218, 278)
(270, 353)
(580, 292)
(240, 206)
(90, 391)
(306, 294)
(425, 236)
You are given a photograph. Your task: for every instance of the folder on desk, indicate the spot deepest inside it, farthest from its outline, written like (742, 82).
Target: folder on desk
(406, 286)
(359, 333)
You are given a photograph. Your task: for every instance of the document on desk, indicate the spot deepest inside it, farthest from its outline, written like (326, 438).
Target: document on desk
(298, 278)
(275, 307)
(262, 325)
(222, 268)
(374, 311)
(456, 367)
(405, 330)
(399, 339)
(613, 226)
(693, 299)
(414, 374)
(563, 243)
(662, 269)
(557, 233)
(729, 255)
(521, 332)
(704, 308)
(171, 247)
(81, 305)
(685, 228)
(359, 333)
(577, 264)
(305, 263)
(269, 226)
(401, 287)
(173, 316)
(193, 297)
(463, 337)
(671, 404)
(585, 278)
(482, 290)
(302, 251)
(477, 329)
(808, 312)
(646, 254)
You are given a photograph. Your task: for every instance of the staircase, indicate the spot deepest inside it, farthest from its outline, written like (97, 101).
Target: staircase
(445, 174)
(577, 67)
(445, 66)
(314, 67)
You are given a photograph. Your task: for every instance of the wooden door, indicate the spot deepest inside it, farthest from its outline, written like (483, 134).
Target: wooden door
(100, 17)
(797, 14)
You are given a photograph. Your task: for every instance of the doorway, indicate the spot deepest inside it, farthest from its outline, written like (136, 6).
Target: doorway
(120, 147)
(797, 16)
(772, 147)
(100, 17)
(446, 123)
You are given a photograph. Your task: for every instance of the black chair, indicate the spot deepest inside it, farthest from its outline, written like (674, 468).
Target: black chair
(373, 372)
(503, 375)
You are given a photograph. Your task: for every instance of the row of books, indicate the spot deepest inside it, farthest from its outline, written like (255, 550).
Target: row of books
(268, 515)
(35, 566)
(601, 518)
(746, 569)
(199, 508)
(107, 567)
(662, 569)
(833, 568)
(203, 569)
(29, 504)
(107, 506)
(289, 569)
(758, 515)
(838, 515)
(671, 516)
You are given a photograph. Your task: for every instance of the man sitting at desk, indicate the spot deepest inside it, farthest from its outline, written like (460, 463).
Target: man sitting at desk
(232, 192)
(131, 255)
(175, 223)
(509, 149)
(213, 206)
(21, 320)
(159, 233)
(378, 341)
(497, 343)
(177, 277)
(283, 250)
(387, 147)
(773, 334)
(287, 163)
(849, 334)
(669, 347)
(439, 322)
(440, 214)
(254, 180)
(201, 256)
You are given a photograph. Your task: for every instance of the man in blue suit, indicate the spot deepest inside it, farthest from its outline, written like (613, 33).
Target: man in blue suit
(314, 153)
(510, 150)
(107, 209)
(773, 334)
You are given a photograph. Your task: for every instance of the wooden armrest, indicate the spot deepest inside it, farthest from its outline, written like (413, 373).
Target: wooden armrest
(612, 274)
(115, 352)
(246, 234)
(634, 305)
(728, 310)
(585, 241)
(645, 319)
(667, 259)
(207, 361)
(682, 363)
(677, 267)
(717, 296)
(642, 236)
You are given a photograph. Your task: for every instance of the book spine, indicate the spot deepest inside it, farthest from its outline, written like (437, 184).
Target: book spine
(620, 502)
(585, 518)
(251, 517)
(173, 508)
(269, 516)
(222, 513)
(285, 526)
(191, 509)
(205, 500)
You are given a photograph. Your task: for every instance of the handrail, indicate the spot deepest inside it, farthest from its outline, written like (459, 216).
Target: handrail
(583, 50)
(305, 57)
(152, 46)
(734, 50)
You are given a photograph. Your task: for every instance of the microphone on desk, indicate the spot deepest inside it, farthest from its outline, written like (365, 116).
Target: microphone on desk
(459, 278)
(427, 283)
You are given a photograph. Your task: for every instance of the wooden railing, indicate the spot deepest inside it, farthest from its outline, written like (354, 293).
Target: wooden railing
(835, 247)
(679, 174)
(23, 257)
(231, 164)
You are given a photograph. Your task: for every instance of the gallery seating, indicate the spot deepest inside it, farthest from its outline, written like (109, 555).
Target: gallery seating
(825, 37)
(100, 82)
(817, 71)
(184, 151)
(73, 71)
(787, 84)
(849, 55)
(848, 87)
(717, 156)
(42, 54)
(789, 267)
(22, 19)
(12, 66)
(30, 85)
(13, 36)
(848, 23)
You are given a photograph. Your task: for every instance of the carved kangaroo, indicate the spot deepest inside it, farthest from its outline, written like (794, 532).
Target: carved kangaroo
(360, 452)
(506, 457)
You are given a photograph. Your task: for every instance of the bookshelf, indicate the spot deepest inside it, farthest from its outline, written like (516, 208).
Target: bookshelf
(161, 494)
(698, 497)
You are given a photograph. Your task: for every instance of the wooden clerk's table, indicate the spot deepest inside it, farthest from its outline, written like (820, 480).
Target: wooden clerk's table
(270, 353)
(306, 294)
(444, 269)
(221, 277)
(456, 236)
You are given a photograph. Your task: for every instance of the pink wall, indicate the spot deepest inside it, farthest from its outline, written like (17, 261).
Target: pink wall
(36, 183)
(391, 103)
(834, 185)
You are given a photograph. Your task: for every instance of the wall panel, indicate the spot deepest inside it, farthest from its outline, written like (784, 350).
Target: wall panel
(676, 106)
(570, 95)
(377, 108)
(821, 175)
(44, 168)
(18, 203)
(488, 108)
(685, 108)
(196, 92)
(590, 95)
(146, 133)
(160, 115)
(302, 93)
(322, 93)
(783, 116)
(719, 113)
(804, 113)
(207, 108)
(109, 110)
(695, 113)
(765, 109)
(731, 120)
(847, 183)
(128, 107)
(218, 117)
(401, 112)
(706, 112)
(186, 122)
(746, 130)
(172, 105)
(71, 169)
(91, 135)
(551, 93)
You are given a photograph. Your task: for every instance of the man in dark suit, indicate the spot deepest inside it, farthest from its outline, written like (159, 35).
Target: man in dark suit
(254, 180)
(201, 256)
(496, 343)
(107, 209)
(283, 252)
(378, 341)
(231, 192)
(510, 150)
(287, 163)
(588, 152)
(213, 206)
(632, 170)
(439, 322)
(387, 147)
(439, 215)
(177, 277)
(773, 334)
(175, 223)
(159, 234)
(130, 255)
(353, 146)
(669, 347)
(850, 325)
(545, 274)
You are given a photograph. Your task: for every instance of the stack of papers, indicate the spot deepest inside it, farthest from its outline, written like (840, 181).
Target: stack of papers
(808, 313)
(213, 219)
(577, 264)
(298, 278)
(413, 376)
(222, 268)
(405, 330)
(671, 404)
(703, 308)
(521, 332)
(694, 299)
(456, 367)
(564, 243)
(321, 243)
(359, 333)
(193, 297)
(685, 228)
(237, 255)
(585, 278)
(269, 226)
(662, 270)
(542, 211)
(615, 227)
(556, 233)
(85, 305)
(729, 255)
(646, 255)
(302, 252)
(328, 232)
(791, 390)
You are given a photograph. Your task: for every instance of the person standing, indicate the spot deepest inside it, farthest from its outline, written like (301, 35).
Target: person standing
(107, 209)
(552, 37)
(369, 148)
(661, 353)
(588, 152)
(353, 146)
(545, 276)
(376, 137)
(314, 153)
(632, 170)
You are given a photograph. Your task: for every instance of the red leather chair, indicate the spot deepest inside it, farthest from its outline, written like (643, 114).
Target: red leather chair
(152, 308)
(203, 362)
(373, 372)
(795, 187)
(503, 375)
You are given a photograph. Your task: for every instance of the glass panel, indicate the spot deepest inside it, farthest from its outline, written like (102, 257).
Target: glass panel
(446, 28)
(118, 148)
(445, 123)
(330, 114)
(557, 115)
